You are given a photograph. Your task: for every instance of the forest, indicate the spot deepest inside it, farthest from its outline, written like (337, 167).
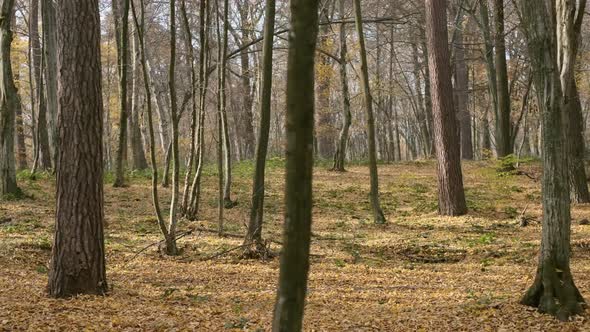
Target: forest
(301, 165)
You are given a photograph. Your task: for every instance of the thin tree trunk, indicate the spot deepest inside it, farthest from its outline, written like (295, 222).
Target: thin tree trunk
(462, 93)
(378, 216)
(294, 266)
(253, 239)
(9, 103)
(577, 171)
(49, 25)
(451, 196)
(122, 31)
(169, 238)
(78, 257)
(340, 155)
(246, 80)
(503, 123)
(137, 149)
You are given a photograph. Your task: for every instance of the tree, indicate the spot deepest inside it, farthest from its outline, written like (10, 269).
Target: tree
(294, 266)
(378, 216)
(254, 234)
(577, 170)
(503, 124)
(552, 41)
(78, 257)
(9, 102)
(50, 63)
(42, 153)
(121, 18)
(340, 155)
(451, 196)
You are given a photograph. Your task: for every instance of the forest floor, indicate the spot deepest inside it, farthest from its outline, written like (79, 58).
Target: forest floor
(419, 272)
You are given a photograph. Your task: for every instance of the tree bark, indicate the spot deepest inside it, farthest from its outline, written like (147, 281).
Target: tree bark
(503, 122)
(552, 46)
(139, 161)
(577, 171)
(246, 80)
(451, 196)
(462, 92)
(378, 216)
(9, 103)
(121, 18)
(340, 155)
(78, 258)
(49, 25)
(294, 266)
(44, 154)
(253, 238)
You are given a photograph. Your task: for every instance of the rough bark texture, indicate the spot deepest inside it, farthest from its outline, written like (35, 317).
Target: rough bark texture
(325, 127)
(8, 104)
(503, 123)
(254, 234)
(552, 48)
(294, 266)
(78, 257)
(340, 155)
(378, 216)
(451, 196)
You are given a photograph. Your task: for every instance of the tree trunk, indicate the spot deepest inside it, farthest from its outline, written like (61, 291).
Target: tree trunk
(340, 155)
(78, 258)
(577, 171)
(44, 154)
(503, 123)
(49, 25)
(246, 80)
(378, 216)
(256, 247)
(121, 18)
(325, 127)
(451, 196)
(551, 38)
(294, 266)
(192, 208)
(462, 92)
(139, 161)
(21, 147)
(9, 103)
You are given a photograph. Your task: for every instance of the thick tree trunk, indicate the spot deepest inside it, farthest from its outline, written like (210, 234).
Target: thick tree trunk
(340, 155)
(551, 38)
(9, 103)
(451, 196)
(378, 216)
(78, 258)
(49, 25)
(256, 247)
(121, 17)
(294, 267)
(503, 122)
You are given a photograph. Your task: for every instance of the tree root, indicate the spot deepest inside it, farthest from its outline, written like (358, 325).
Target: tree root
(554, 292)
(257, 250)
